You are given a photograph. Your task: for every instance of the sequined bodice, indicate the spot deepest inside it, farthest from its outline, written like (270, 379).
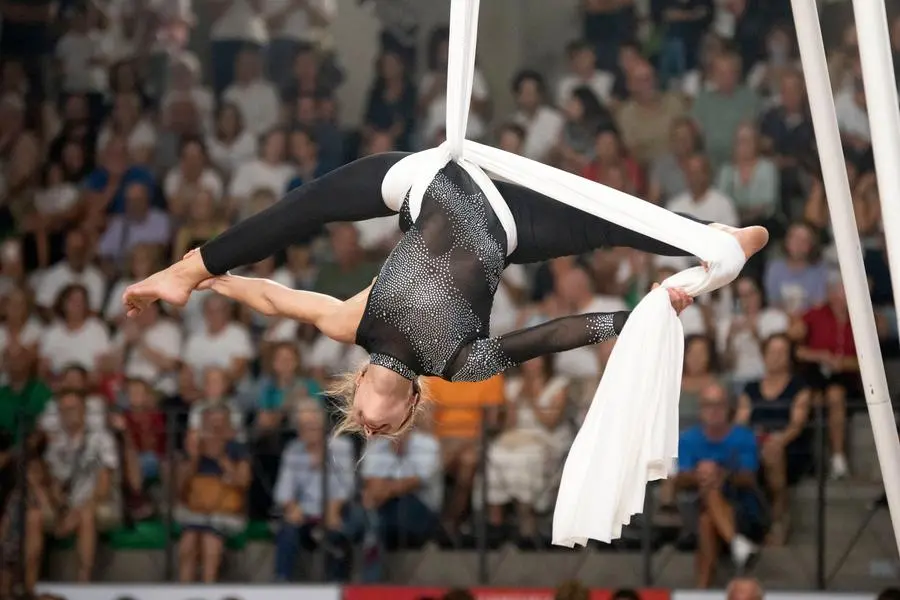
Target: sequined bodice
(436, 288)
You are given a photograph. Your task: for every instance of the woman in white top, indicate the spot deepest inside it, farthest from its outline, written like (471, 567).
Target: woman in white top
(186, 82)
(75, 338)
(189, 176)
(230, 144)
(20, 327)
(522, 461)
(236, 25)
(271, 171)
(127, 121)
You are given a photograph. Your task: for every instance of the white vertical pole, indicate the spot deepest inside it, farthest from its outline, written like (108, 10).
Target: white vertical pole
(884, 121)
(846, 237)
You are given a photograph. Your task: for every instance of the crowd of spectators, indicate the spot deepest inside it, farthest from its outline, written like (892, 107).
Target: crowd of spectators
(118, 154)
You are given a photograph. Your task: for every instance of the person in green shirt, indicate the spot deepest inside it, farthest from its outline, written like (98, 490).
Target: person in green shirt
(24, 395)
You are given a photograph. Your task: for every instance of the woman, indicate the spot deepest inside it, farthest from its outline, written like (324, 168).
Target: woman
(128, 122)
(75, 338)
(427, 311)
(230, 145)
(584, 116)
(20, 328)
(701, 369)
(193, 172)
(271, 171)
(751, 180)
(667, 178)
(203, 223)
(777, 408)
(610, 152)
(521, 462)
(186, 83)
(392, 102)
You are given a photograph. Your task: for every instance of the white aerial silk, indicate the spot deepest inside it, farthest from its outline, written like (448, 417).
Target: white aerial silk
(630, 434)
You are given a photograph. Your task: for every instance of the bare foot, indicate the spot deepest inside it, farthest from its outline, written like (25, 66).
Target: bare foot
(752, 239)
(173, 285)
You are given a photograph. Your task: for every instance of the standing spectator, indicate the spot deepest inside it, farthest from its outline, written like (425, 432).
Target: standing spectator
(237, 25)
(461, 410)
(402, 492)
(721, 110)
(270, 171)
(701, 200)
(606, 26)
(542, 123)
(667, 171)
(583, 72)
(740, 337)
(255, 97)
(777, 409)
(139, 224)
(306, 462)
(684, 23)
(751, 180)
(646, 118)
(797, 281)
(105, 185)
(84, 463)
(230, 144)
(222, 342)
(392, 102)
(212, 482)
(75, 337)
(523, 460)
(193, 172)
(827, 356)
(293, 26)
(720, 461)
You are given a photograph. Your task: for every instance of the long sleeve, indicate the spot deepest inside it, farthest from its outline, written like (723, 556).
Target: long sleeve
(486, 357)
(351, 193)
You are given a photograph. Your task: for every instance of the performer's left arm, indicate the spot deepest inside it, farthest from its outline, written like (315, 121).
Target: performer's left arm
(486, 357)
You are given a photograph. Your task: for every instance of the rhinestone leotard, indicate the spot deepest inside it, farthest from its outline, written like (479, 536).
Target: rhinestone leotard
(429, 310)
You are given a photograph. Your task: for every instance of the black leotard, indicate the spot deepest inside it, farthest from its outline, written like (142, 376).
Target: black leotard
(429, 309)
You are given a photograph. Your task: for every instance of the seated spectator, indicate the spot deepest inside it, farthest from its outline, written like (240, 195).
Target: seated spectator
(146, 426)
(585, 116)
(701, 370)
(127, 123)
(739, 337)
(303, 148)
(12, 267)
(511, 138)
(23, 395)
(777, 409)
(270, 171)
(720, 111)
(255, 97)
(299, 490)
(105, 186)
(392, 102)
(702, 200)
(461, 412)
(541, 122)
(180, 121)
(138, 224)
(798, 281)
(143, 261)
(204, 221)
(147, 348)
(193, 173)
(305, 76)
(583, 72)
(645, 118)
(221, 342)
(609, 152)
(186, 84)
(720, 461)
(744, 588)
(402, 493)
(667, 171)
(83, 463)
(827, 360)
(229, 143)
(700, 78)
(284, 383)
(75, 269)
(750, 179)
(20, 327)
(75, 337)
(212, 484)
(58, 207)
(75, 378)
(350, 269)
(432, 103)
(217, 391)
(781, 57)
(523, 461)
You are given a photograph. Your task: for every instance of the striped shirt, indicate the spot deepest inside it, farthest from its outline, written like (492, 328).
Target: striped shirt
(301, 481)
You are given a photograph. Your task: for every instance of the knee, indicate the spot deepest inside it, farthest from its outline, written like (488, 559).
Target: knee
(187, 546)
(468, 460)
(835, 397)
(772, 454)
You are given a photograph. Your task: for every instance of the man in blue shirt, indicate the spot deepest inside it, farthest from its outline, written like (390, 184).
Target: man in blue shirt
(720, 461)
(106, 185)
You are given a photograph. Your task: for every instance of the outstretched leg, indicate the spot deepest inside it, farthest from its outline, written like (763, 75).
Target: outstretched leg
(351, 193)
(548, 229)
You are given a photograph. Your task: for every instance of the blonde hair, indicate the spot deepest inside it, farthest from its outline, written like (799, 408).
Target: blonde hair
(343, 390)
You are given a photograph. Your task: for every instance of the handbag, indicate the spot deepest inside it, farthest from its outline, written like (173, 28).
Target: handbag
(208, 494)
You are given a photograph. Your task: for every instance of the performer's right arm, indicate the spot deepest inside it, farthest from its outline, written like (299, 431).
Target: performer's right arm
(336, 319)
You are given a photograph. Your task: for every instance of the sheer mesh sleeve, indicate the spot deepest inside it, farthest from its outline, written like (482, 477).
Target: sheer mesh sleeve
(486, 357)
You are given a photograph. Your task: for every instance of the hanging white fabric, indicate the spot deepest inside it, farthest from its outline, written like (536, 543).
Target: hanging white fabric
(630, 433)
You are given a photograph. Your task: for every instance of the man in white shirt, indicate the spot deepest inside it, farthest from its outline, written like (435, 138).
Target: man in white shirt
(542, 124)
(75, 268)
(293, 24)
(236, 25)
(255, 97)
(702, 201)
(220, 343)
(583, 72)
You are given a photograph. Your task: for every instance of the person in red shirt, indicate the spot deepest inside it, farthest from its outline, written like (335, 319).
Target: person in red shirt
(826, 354)
(610, 153)
(146, 425)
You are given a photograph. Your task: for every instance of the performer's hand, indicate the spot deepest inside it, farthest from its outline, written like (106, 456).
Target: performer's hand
(679, 298)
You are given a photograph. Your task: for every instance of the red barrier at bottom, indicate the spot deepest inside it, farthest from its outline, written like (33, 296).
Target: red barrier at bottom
(429, 593)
